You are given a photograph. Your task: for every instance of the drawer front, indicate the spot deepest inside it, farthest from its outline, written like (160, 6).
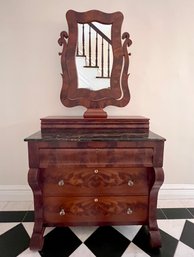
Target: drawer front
(142, 157)
(95, 210)
(94, 181)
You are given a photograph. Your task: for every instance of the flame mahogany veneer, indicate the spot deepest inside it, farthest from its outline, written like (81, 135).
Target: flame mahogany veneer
(95, 170)
(94, 177)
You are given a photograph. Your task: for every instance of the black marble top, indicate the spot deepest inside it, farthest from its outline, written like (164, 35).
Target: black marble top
(82, 136)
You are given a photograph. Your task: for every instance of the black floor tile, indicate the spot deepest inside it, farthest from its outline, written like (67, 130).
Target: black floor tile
(191, 210)
(29, 217)
(160, 215)
(187, 236)
(107, 241)
(168, 248)
(12, 216)
(177, 213)
(60, 242)
(14, 241)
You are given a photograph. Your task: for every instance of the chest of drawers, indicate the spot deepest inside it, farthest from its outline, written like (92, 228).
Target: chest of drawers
(78, 179)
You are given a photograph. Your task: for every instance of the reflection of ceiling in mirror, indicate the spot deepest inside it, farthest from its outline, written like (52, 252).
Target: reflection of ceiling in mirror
(94, 64)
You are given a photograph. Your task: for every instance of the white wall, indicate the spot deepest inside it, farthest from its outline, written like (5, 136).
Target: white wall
(161, 81)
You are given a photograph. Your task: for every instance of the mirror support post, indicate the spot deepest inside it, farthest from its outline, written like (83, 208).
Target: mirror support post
(95, 113)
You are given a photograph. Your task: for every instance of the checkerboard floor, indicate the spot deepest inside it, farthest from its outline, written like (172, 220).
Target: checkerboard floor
(176, 227)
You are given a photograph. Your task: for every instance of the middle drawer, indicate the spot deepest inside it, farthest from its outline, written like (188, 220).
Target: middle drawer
(97, 181)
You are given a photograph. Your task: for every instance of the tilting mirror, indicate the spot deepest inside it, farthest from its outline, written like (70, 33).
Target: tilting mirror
(94, 62)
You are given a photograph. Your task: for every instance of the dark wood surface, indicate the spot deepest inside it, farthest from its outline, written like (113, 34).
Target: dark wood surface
(95, 100)
(135, 125)
(102, 181)
(95, 170)
(95, 178)
(96, 210)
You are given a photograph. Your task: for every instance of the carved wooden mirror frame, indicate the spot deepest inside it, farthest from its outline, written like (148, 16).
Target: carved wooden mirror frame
(95, 100)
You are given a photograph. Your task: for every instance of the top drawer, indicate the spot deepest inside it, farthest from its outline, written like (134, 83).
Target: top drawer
(139, 157)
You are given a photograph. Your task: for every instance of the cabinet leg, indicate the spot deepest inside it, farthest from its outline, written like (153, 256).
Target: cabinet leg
(155, 239)
(37, 240)
(158, 178)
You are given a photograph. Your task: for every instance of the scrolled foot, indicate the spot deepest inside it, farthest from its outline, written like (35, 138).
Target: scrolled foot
(36, 242)
(155, 239)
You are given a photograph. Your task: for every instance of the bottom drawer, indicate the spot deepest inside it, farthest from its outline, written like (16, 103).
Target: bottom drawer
(96, 210)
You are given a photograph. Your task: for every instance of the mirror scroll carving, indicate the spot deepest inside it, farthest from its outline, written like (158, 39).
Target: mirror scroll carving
(117, 92)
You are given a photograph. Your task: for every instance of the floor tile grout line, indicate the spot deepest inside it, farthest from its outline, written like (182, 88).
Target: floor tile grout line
(24, 216)
(163, 213)
(190, 212)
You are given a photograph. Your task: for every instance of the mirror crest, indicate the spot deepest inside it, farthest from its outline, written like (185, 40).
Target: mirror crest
(93, 46)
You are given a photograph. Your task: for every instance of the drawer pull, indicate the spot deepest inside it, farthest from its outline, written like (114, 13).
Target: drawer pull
(96, 171)
(61, 183)
(95, 200)
(130, 183)
(62, 212)
(129, 211)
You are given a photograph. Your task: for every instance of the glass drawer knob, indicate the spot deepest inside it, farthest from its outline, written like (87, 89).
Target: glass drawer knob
(62, 212)
(130, 183)
(95, 200)
(96, 171)
(129, 211)
(61, 183)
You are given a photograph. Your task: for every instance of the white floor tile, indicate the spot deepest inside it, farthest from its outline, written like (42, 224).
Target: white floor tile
(134, 251)
(183, 250)
(29, 253)
(4, 227)
(176, 203)
(2, 205)
(28, 227)
(83, 232)
(31, 206)
(172, 227)
(128, 231)
(170, 204)
(188, 203)
(17, 206)
(82, 250)
(48, 230)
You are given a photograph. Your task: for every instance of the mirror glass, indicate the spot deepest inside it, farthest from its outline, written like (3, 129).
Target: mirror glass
(94, 55)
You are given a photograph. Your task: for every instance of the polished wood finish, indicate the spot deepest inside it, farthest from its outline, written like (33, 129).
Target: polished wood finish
(96, 210)
(134, 126)
(95, 170)
(118, 93)
(108, 181)
(73, 181)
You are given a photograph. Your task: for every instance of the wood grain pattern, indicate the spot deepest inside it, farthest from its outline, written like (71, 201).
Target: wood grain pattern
(142, 157)
(37, 240)
(158, 179)
(118, 93)
(101, 181)
(135, 124)
(95, 209)
(63, 157)
(54, 157)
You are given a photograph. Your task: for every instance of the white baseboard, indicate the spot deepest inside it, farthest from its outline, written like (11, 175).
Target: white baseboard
(167, 191)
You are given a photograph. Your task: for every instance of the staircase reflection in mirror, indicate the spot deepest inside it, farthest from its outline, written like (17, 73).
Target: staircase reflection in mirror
(94, 55)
